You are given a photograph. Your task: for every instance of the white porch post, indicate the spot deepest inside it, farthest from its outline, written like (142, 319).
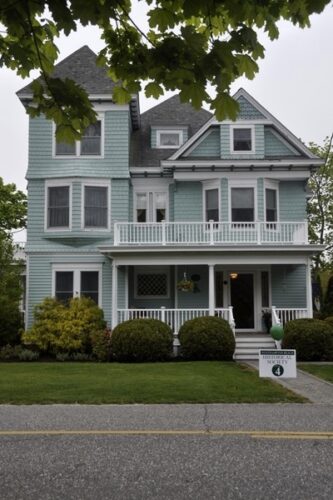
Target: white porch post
(309, 289)
(114, 294)
(211, 294)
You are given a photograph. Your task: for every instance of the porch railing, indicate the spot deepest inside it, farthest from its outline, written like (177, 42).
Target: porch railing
(280, 316)
(175, 318)
(210, 233)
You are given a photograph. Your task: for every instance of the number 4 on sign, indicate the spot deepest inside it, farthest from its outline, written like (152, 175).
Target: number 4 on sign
(277, 370)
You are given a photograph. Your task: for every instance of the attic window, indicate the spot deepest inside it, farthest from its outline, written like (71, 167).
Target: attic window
(242, 140)
(169, 139)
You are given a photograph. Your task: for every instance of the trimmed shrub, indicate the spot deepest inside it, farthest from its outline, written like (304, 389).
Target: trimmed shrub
(101, 344)
(312, 339)
(207, 338)
(64, 328)
(329, 320)
(28, 355)
(9, 352)
(141, 340)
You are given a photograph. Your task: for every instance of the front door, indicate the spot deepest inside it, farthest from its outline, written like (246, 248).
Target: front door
(242, 300)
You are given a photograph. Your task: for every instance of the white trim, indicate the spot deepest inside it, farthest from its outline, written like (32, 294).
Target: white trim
(273, 185)
(151, 270)
(100, 117)
(57, 183)
(77, 269)
(96, 183)
(243, 183)
(238, 126)
(208, 186)
(169, 131)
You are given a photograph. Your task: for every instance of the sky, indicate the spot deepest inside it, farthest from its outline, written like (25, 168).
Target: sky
(295, 83)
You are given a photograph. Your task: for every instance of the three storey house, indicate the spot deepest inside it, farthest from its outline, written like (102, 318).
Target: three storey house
(170, 213)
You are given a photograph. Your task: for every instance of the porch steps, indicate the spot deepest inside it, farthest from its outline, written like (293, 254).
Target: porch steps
(248, 345)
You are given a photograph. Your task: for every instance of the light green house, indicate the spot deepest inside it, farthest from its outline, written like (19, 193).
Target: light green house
(147, 201)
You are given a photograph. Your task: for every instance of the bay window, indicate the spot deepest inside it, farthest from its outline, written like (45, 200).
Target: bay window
(58, 206)
(96, 206)
(242, 204)
(211, 204)
(150, 206)
(271, 205)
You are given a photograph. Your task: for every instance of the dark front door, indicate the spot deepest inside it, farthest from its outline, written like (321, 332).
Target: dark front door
(242, 300)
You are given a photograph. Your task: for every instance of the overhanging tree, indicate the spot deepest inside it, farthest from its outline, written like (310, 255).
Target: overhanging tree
(190, 44)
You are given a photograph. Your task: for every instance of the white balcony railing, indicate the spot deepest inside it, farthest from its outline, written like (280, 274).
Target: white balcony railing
(210, 233)
(281, 316)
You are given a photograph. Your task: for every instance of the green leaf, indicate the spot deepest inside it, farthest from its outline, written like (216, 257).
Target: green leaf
(153, 89)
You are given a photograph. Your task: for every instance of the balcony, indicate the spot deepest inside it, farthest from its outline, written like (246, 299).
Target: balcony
(210, 233)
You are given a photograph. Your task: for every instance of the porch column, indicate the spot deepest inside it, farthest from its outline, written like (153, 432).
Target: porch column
(114, 294)
(211, 290)
(309, 289)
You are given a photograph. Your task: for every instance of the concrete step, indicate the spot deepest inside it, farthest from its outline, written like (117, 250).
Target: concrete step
(247, 346)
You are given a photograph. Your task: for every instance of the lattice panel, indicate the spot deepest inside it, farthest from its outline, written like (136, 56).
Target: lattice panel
(153, 284)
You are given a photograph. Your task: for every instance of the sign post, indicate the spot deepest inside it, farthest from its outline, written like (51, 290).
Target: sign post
(278, 363)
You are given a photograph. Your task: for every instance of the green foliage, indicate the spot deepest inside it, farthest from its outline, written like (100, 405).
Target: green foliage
(207, 338)
(141, 340)
(101, 344)
(28, 355)
(327, 308)
(189, 45)
(312, 339)
(13, 206)
(329, 320)
(9, 352)
(10, 292)
(64, 328)
(320, 206)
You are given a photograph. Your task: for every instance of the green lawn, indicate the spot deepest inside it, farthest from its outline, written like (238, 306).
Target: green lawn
(174, 382)
(321, 371)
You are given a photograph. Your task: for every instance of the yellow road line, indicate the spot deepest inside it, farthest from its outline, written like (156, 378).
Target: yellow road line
(172, 432)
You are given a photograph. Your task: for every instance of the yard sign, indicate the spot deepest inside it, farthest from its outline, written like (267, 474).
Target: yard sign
(277, 364)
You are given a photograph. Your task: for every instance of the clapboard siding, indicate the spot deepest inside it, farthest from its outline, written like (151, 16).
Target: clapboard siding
(276, 146)
(208, 147)
(288, 286)
(292, 201)
(188, 201)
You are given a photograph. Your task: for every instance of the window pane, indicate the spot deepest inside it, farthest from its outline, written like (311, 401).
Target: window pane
(96, 206)
(160, 206)
(212, 204)
(63, 148)
(64, 285)
(152, 284)
(271, 205)
(242, 204)
(169, 139)
(89, 285)
(242, 139)
(58, 206)
(91, 140)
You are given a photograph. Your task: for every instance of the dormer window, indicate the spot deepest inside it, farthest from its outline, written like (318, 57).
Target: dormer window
(169, 139)
(242, 139)
(90, 144)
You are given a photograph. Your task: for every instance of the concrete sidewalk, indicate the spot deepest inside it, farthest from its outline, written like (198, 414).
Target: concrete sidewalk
(313, 388)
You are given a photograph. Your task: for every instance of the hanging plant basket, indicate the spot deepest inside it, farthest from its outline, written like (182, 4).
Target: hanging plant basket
(185, 285)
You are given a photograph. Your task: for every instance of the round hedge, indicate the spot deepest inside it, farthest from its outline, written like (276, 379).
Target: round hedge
(312, 339)
(207, 338)
(139, 340)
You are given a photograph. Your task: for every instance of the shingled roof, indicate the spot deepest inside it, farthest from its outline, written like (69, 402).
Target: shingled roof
(81, 67)
(170, 112)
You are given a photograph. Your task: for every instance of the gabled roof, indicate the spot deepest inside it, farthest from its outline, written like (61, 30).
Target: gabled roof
(262, 114)
(81, 67)
(169, 113)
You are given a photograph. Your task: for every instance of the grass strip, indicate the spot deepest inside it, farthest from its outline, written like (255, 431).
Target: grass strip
(122, 383)
(322, 371)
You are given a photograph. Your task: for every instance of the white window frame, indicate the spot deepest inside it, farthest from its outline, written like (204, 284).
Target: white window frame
(274, 185)
(243, 184)
(207, 186)
(57, 183)
(151, 270)
(242, 126)
(96, 183)
(77, 269)
(153, 191)
(180, 133)
(100, 117)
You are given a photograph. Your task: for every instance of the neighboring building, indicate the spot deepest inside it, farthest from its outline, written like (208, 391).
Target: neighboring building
(146, 200)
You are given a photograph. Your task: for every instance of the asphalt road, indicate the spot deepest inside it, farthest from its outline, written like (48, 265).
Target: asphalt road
(166, 452)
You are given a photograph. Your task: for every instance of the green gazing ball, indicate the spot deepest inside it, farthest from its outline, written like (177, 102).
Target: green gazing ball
(276, 332)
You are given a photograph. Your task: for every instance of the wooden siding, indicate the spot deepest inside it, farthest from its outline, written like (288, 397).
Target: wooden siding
(247, 111)
(292, 201)
(114, 162)
(224, 215)
(208, 147)
(275, 147)
(188, 201)
(288, 286)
